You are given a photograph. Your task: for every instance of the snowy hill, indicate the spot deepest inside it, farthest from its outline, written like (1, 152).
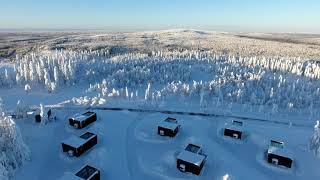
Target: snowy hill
(247, 44)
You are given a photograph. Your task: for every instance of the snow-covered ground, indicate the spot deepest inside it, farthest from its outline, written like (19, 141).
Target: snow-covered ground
(277, 97)
(129, 148)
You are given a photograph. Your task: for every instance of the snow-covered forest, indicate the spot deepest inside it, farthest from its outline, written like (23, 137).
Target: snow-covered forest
(281, 83)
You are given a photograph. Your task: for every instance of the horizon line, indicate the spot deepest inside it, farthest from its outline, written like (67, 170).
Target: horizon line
(132, 30)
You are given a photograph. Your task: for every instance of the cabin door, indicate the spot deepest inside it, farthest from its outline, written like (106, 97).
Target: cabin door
(235, 136)
(161, 132)
(275, 161)
(182, 167)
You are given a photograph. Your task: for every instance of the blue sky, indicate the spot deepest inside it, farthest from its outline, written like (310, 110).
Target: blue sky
(222, 15)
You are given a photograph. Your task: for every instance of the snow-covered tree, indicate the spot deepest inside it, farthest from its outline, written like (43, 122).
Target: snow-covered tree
(56, 75)
(127, 93)
(27, 88)
(14, 151)
(47, 80)
(43, 114)
(315, 139)
(148, 94)
(21, 109)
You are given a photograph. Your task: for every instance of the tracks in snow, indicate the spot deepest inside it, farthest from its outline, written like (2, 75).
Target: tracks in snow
(201, 114)
(244, 118)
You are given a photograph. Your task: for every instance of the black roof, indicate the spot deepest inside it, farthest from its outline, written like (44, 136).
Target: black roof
(86, 172)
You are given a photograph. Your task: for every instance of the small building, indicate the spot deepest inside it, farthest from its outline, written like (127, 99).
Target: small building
(234, 130)
(83, 120)
(191, 159)
(168, 127)
(85, 173)
(75, 146)
(279, 155)
(88, 173)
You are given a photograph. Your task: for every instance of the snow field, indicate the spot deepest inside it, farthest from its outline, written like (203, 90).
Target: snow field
(130, 148)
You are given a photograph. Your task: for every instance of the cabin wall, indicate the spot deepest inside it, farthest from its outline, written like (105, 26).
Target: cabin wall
(190, 167)
(284, 161)
(82, 149)
(84, 123)
(167, 132)
(230, 133)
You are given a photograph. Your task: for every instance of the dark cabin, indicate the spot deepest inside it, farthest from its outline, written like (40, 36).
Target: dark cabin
(279, 155)
(88, 173)
(168, 127)
(83, 120)
(234, 130)
(191, 159)
(75, 146)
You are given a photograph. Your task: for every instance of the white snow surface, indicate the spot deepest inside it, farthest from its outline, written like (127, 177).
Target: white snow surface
(130, 148)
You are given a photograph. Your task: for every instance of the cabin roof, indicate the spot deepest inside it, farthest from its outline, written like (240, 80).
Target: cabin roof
(279, 149)
(191, 157)
(235, 125)
(74, 141)
(168, 125)
(83, 116)
(87, 172)
(171, 120)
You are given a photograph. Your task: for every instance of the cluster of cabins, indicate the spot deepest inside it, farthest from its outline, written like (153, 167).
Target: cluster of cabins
(192, 158)
(75, 146)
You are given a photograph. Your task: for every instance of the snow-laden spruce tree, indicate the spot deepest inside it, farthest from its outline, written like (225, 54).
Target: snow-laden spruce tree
(21, 109)
(43, 114)
(14, 151)
(148, 94)
(315, 139)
